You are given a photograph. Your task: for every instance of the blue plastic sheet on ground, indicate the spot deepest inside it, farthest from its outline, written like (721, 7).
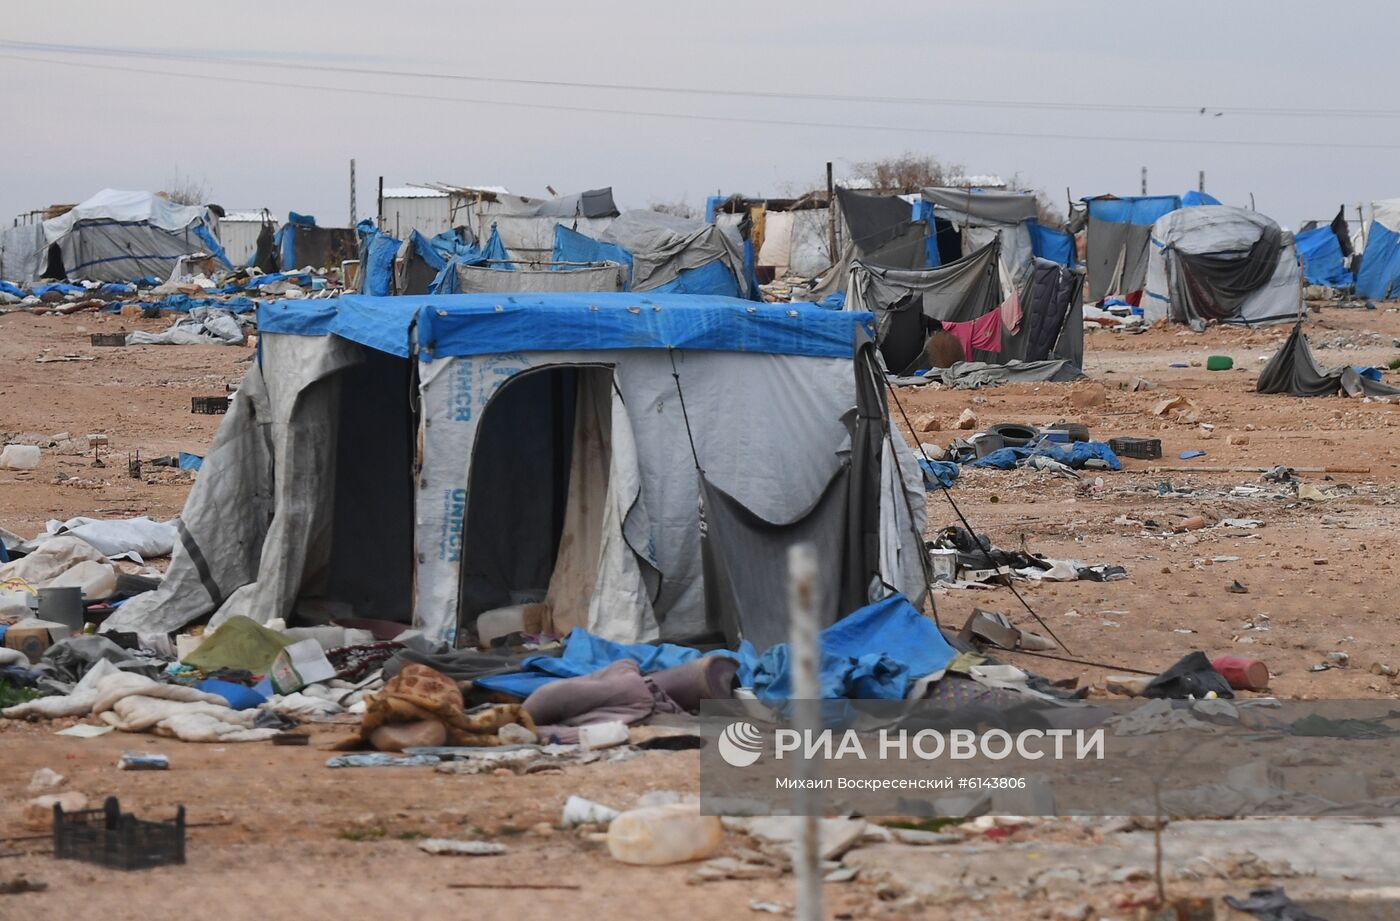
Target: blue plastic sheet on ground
(1187, 455)
(184, 303)
(1371, 374)
(239, 696)
(938, 473)
(12, 290)
(190, 461)
(874, 653)
(60, 286)
(585, 653)
(1071, 455)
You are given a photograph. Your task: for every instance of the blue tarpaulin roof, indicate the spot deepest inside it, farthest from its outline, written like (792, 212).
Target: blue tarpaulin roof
(1135, 209)
(489, 324)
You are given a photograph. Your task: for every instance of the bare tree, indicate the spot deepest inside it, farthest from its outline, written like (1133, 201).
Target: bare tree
(679, 208)
(906, 173)
(186, 190)
(1045, 210)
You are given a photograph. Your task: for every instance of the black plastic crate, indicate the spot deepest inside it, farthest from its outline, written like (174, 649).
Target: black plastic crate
(112, 339)
(123, 842)
(209, 406)
(1140, 448)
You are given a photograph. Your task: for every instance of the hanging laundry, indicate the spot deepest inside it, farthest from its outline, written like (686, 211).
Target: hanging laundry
(1010, 311)
(983, 333)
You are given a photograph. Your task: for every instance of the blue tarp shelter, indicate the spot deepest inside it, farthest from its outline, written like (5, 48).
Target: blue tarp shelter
(1323, 262)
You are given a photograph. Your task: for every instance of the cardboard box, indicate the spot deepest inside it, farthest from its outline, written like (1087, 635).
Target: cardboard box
(32, 641)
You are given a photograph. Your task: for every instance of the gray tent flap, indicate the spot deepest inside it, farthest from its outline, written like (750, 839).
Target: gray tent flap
(663, 246)
(984, 207)
(1116, 257)
(745, 562)
(959, 291)
(1293, 370)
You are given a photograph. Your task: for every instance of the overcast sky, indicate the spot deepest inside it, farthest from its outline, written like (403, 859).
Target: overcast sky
(73, 130)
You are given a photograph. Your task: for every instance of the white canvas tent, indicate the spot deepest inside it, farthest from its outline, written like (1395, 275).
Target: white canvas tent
(124, 236)
(431, 458)
(1217, 262)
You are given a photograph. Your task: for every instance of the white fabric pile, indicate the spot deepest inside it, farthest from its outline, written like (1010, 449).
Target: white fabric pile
(135, 703)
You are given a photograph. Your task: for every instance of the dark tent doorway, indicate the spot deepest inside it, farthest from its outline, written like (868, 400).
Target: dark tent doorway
(537, 486)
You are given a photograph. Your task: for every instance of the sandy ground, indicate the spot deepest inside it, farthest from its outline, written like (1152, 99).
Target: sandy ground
(298, 840)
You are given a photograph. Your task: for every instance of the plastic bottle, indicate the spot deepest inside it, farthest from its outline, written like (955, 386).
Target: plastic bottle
(19, 457)
(660, 835)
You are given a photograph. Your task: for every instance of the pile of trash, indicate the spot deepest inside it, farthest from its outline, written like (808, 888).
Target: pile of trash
(1063, 449)
(191, 286)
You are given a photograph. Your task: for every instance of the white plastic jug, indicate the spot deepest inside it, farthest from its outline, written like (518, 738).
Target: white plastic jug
(659, 835)
(19, 457)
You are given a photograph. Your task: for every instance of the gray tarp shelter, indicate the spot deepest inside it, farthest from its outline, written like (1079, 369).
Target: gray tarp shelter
(22, 253)
(1051, 327)
(427, 459)
(979, 217)
(1217, 262)
(125, 236)
(480, 279)
(1293, 370)
(662, 246)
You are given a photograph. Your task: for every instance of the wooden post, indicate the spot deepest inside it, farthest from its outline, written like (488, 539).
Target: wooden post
(831, 215)
(805, 646)
(1144, 180)
(379, 206)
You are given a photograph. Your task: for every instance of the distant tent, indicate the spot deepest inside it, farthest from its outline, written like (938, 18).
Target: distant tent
(880, 230)
(1293, 370)
(1379, 275)
(570, 246)
(378, 251)
(300, 243)
(23, 253)
(677, 255)
(1050, 325)
(126, 236)
(421, 259)
(526, 225)
(1116, 241)
(965, 220)
(1194, 199)
(1216, 262)
(485, 277)
(535, 460)
(1324, 255)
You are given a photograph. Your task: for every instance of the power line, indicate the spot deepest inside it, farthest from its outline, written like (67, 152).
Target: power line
(732, 119)
(1147, 108)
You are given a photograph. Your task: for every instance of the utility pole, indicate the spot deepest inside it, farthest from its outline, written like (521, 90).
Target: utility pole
(352, 191)
(831, 213)
(1201, 182)
(1144, 180)
(379, 206)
